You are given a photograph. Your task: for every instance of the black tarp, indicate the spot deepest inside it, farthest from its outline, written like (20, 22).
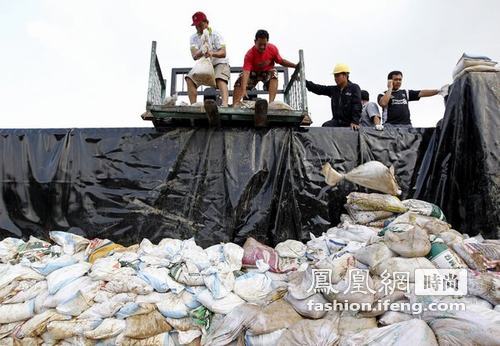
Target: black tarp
(228, 184)
(216, 185)
(461, 170)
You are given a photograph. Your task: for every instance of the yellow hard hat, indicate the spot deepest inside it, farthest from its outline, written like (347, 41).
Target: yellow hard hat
(339, 68)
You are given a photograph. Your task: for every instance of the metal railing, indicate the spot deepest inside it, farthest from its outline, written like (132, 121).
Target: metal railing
(156, 84)
(294, 89)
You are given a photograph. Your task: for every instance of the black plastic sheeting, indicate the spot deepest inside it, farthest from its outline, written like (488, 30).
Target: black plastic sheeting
(228, 184)
(216, 185)
(461, 170)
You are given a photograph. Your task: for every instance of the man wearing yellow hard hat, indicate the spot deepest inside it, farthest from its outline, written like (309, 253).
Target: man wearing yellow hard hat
(345, 98)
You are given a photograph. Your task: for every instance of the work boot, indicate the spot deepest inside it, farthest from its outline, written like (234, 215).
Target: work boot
(260, 116)
(212, 113)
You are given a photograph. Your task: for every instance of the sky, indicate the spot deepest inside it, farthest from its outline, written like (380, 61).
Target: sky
(77, 64)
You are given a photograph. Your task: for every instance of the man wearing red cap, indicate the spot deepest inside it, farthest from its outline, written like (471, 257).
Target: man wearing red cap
(258, 67)
(217, 53)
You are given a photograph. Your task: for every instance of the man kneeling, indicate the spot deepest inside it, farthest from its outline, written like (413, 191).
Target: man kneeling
(258, 67)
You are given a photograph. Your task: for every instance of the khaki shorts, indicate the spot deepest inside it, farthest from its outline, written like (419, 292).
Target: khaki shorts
(258, 76)
(222, 71)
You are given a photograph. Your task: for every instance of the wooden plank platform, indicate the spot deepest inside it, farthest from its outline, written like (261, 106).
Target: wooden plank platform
(227, 114)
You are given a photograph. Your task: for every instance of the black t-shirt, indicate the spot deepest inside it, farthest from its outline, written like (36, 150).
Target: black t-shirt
(398, 112)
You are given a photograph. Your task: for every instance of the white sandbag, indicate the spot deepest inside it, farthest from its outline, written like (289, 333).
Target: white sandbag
(317, 247)
(38, 323)
(408, 241)
(307, 307)
(402, 264)
(160, 280)
(306, 332)
(474, 326)
(233, 256)
(28, 294)
(65, 275)
(39, 302)
(59, 330)
(351, 322)
(430, 224)
(163, 339)
(10, 273)
(203, 72)
(301, 284)
(424, 208)
(373, 254)
(392, 317)
(187, 273)
(194, 253)
(128, 284)
(107, 308)
(109, 328)
(106, 268)
(67, 292)
(485, 285)
(263, 339)
(364, 217)
(375, 201)
(75, 306)
(70, 243)
(8, 249)
(373, 174)
(133, 309)
(347, 232)
(252, 286)
(336, 265)
(362, 294)
(9, 290)
(152, 298)
(10, 341)
(17, 312)
(49, 264)
(398, 334)
(8, 328)
(279, 106)
(173, 305)
(224, 331)
(220, 282)
(291, 248)
(220, 306)
(186, 337)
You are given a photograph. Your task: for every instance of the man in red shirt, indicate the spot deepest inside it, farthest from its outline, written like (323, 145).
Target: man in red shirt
(259, 67)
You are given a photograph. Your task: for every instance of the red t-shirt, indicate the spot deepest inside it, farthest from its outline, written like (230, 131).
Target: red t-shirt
(255, 61)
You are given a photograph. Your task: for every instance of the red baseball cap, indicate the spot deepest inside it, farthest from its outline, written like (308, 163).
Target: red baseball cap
(199, 17)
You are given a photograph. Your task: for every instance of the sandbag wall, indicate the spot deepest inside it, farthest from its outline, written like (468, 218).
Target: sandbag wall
(217, 185)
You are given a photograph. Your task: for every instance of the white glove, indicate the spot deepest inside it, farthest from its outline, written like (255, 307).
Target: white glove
(379, 127)
(444, 90)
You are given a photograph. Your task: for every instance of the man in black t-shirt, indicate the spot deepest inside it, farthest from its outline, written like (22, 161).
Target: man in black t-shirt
(394, 101)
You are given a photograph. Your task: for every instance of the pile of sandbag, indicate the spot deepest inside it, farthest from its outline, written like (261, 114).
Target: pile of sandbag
(76, 291)
(474, 63)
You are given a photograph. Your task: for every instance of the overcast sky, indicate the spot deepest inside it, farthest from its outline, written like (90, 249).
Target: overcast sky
(85, 63)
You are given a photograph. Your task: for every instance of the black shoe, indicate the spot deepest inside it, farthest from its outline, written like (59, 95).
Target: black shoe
(260, 116)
